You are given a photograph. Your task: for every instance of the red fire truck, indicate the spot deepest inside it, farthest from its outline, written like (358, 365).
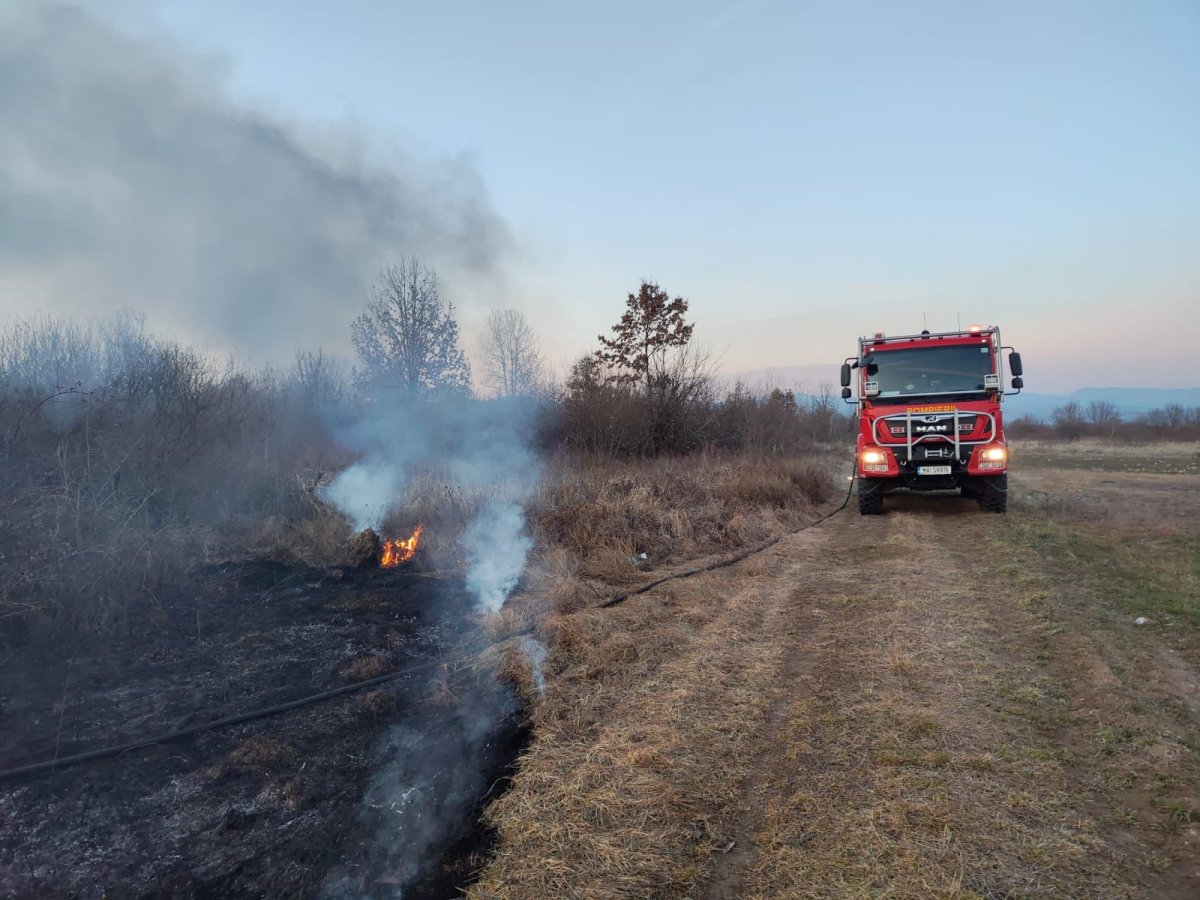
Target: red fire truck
(929, 415)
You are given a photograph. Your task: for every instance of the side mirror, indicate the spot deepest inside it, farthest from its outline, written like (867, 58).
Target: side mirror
(845, 378)
(1014, 363)
(1018, 382)
(845, 393)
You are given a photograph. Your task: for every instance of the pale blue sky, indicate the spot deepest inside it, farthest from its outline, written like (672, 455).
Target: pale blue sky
(802, 172)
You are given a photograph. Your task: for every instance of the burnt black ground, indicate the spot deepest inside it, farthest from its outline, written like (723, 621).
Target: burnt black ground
(286, 805)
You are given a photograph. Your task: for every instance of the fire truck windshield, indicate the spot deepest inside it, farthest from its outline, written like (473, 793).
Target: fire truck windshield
(929, 370)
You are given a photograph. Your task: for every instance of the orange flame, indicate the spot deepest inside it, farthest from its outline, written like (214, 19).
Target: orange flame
(400, 551)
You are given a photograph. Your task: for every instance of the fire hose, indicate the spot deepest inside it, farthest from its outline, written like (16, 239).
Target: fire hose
(251, 715)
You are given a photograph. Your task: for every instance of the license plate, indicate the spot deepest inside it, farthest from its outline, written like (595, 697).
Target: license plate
(933, 470)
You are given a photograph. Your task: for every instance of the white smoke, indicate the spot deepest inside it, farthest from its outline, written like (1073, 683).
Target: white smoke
(496, 546)
(479, 447)
(363, 492)
(434, 771)
(535, 654)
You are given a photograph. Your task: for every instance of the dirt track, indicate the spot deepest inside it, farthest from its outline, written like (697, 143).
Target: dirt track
(914, 705)
(929, 733)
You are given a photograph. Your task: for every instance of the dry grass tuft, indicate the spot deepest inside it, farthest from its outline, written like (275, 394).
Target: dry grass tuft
(363, 668)
(513, 667)
(377, 704)
(318, 539)
(260, 752)
(602, 525)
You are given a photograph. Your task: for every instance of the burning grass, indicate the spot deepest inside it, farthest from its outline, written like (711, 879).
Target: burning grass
(398, 551)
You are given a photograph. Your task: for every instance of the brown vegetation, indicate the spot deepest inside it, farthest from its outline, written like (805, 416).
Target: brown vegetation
(1102, 420)
(363, 668)
(606, 511)
(613, 669)
(147, 460)
(985, 720)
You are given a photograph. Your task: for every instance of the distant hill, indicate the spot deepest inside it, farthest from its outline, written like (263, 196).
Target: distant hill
(1131, 402)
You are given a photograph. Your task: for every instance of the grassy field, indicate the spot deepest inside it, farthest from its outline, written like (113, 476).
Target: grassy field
(931, 703)
(1164, 458)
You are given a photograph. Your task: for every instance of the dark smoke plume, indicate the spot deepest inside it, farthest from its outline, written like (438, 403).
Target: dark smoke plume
(130, 179)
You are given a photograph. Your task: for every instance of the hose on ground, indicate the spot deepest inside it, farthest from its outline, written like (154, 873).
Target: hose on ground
(239, 718)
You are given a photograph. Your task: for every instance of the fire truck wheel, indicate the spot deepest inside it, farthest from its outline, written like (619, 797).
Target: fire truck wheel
(993, 493)
(870, 496)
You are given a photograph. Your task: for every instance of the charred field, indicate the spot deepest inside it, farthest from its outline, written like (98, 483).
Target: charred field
(335, 796)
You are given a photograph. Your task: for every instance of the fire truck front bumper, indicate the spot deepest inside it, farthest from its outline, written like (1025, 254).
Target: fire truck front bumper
(932, 468)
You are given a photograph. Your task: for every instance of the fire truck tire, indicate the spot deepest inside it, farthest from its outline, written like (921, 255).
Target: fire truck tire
(993, 493)
(870, 496)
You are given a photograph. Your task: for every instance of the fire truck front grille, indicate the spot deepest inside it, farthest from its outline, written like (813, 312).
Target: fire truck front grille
(897, 428)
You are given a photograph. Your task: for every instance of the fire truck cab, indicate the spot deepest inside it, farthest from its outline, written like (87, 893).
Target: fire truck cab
(929, 414)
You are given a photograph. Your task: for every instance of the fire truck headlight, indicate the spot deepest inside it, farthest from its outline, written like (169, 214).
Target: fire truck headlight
(873, 461)
(993, 456)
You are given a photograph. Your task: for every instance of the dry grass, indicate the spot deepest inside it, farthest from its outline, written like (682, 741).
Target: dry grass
(793, 726)
(641, 747)
(644, 733)
(1096, 447)
(898, 768)
(377, 704)
(259, 753)
(514, 667)
(362, 668)
(607, 512)
(319, 538)
(1092, 454)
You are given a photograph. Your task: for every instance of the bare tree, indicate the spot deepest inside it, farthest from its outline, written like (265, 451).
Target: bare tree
(407, 339)
(316, 380)
(1102, 412)
(512, 365)
(1068, 419)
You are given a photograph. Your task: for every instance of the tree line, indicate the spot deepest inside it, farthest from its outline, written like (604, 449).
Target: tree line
(645, 390)
(1103, 419)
